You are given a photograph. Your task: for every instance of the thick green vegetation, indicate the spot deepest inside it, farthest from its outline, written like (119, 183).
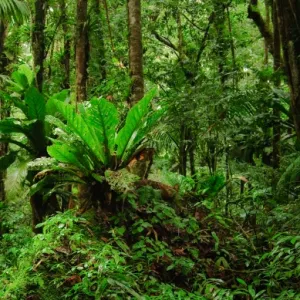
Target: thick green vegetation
(149, 149)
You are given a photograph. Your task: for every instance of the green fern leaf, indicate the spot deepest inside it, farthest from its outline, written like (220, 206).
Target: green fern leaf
(69, 155)
(36, 104)
(103, 116)
(8, 126)
(134, 121)
(86, 132)
(13, 10)
(148, 125)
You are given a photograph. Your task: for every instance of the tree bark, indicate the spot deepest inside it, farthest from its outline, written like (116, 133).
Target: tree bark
(97, 62)
(3, 112)
(289, 24)
(223, 44)
(267, 7)
(108, 25)
(135, 51)
(183, 151)
(277, 66)
(38, 40)
(254, 14)
(67, 45)
(81, 51)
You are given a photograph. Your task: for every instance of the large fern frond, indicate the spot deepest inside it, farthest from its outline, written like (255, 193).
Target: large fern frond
(134, 121)
(15, 10)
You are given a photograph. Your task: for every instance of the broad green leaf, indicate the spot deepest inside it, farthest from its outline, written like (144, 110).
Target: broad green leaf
(51, 180)
(142, 132)
(241, 281)
(9, 140)
(103, 115)
(58, 123)
(26, 70)
(19, 81)
(69, 155)
(133, 122)
(86, 132)
(50, 105)
(21, 105)
(15, 10)
(9, 126)
(36, 104)
(251, 291)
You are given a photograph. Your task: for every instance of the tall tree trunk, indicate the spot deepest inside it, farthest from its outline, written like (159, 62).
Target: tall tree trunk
(97, 62)
(135, 50)
(183, 151)
(289, 24)
(262, 25)
(223, 44)
(232, 48)
(108, 25)
(267, 7)
(38, 40)
(67, 45)
(3, 112)
(276, 111)
(191, 150)
(81, 51)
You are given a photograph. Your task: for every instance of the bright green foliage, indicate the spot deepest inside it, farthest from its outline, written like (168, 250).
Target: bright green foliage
(97, 127)
(13, 10)
(103, 116)
(133, 131)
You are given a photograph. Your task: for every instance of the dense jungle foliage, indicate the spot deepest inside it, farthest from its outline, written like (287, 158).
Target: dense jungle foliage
(149, 149)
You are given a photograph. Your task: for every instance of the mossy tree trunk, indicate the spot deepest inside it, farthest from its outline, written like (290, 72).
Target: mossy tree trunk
(289, 24)
(81, 51)
(3, 111)
(135, 50)
(38, 40)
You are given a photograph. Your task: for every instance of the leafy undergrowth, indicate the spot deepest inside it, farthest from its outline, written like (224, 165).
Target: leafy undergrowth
(147, 249)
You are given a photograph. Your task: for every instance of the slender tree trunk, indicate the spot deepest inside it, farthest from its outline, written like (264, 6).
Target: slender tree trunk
(81, 51)
(135, 50)
(232, 48)
(276, 111)
(38, 40)
(97, 60)
(223, 45)
(255, 15)
(267, 7)
(3, 112)
(109, 26)
(192, 156)
(183, 151)
(67, 45)
(51, 60)
(289, 24)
